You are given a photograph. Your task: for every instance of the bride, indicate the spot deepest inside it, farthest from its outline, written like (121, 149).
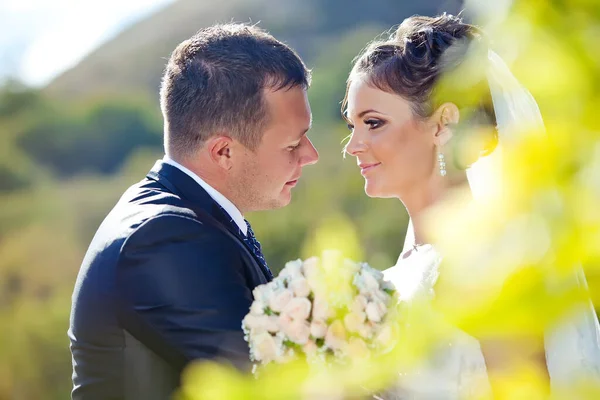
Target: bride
(405, 128)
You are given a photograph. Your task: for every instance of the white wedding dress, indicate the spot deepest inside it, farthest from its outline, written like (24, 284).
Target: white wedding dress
(456, 368)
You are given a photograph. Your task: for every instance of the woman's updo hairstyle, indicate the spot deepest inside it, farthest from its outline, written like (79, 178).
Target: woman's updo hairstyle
(429, 61)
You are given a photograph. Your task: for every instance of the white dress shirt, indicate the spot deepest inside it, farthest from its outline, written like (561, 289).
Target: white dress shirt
(227, 205)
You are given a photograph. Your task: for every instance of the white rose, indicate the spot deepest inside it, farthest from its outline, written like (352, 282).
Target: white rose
(310, 266)
(261, 323)
(366, 331)
(253, 322)
(359, 304)
(288, 354)
(264, 347)
(335, 338)
(357, 348)
(318, 328)
(321, 309)
(371, 282)
(257, 307)
(300, 287)
(311, 272)
(377, 274)
(298, 331)
(351, 266)
(298, 308)
(280, 299)
(381, 296)
(310, 348)
(353, 321)
(261, 293)
(284, 321)
(376, 311)
(385, 337)
(272, 323)
(292, 270)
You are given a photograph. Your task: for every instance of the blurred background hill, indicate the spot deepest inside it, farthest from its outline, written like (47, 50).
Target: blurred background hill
(70, 148)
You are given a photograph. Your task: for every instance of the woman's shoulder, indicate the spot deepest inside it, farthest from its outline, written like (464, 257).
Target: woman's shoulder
(416, 270)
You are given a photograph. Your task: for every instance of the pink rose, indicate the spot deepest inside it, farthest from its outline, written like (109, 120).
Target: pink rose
(261, 323)
(280, 299)
(264, 347)
(310, 348)
(300, 287)
(298, 308)
(321, 309)
(298, 331)
(318, 328)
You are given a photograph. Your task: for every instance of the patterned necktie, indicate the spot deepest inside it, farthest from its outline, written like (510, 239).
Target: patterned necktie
(254, 246)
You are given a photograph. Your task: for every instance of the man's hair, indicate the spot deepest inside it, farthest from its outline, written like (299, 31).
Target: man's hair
(214, 82)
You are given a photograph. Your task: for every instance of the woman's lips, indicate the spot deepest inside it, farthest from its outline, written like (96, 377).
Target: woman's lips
(365, 168)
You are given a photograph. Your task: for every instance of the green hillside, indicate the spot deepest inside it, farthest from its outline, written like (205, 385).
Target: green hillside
(133, 61)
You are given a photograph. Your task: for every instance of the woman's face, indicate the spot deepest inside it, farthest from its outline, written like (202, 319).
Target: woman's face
(394, 149)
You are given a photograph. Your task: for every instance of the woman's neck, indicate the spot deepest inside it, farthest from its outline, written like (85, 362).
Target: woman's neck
(421, 200)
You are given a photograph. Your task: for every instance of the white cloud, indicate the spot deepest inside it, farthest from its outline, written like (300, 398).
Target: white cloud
(48, 37)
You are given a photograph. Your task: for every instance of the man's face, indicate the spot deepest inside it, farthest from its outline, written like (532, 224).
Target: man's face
(266, 176)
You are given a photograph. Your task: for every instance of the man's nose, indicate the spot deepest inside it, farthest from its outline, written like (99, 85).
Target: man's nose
(312, 155)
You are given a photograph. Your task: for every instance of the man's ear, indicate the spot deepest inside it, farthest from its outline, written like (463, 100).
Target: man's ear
(444, 119)
(220, 149)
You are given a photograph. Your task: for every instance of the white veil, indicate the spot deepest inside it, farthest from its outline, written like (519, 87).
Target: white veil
(573, 346)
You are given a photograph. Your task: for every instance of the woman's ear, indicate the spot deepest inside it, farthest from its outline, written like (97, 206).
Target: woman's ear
(444, 118)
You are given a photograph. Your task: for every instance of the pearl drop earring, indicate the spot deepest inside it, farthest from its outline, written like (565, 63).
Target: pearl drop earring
(442, 163)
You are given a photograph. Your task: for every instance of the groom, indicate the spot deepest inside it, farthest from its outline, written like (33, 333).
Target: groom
(169, 274)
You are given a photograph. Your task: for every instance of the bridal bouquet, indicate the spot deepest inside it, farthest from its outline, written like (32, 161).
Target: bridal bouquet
(319, 309)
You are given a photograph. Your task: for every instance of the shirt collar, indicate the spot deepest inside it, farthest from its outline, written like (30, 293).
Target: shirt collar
(221, 200)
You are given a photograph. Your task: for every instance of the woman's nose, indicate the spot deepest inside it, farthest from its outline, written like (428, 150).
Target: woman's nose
(356, 145)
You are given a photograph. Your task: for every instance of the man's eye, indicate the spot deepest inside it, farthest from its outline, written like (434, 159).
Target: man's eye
(374, 123)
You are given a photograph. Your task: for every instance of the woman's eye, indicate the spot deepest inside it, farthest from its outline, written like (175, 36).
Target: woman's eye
(351, 127)
(374, 123)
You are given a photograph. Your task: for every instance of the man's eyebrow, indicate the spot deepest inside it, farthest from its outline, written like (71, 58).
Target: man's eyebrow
(304, 132)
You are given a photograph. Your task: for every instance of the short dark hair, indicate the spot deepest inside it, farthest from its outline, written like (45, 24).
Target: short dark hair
(214, 82)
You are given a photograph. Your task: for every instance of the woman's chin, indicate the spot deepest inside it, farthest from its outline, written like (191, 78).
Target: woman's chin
(373, 190)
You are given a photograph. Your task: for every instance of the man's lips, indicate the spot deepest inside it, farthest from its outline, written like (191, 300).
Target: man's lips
(366, 167)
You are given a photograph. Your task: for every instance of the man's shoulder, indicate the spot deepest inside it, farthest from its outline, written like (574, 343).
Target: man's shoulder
(153, 212)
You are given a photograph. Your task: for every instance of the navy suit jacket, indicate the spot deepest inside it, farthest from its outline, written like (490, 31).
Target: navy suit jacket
(166, 280)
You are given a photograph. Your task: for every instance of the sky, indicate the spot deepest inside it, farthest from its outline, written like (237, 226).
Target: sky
(41, 38)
